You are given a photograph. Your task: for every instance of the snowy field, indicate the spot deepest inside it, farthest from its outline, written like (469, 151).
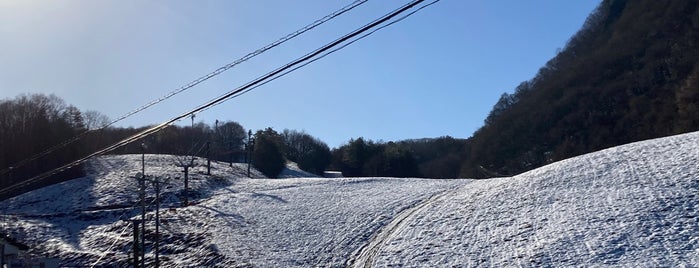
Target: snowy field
(633, 205)
(234, 221)
(629, 206)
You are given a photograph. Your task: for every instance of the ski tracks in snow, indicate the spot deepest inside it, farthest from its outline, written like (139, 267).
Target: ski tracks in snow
(366, 255)
(633, 205)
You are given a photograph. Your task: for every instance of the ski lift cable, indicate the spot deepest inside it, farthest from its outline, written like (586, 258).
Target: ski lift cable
(191, 84)
(321, 56)
(236, 92)
(110, 246)
(116, 239)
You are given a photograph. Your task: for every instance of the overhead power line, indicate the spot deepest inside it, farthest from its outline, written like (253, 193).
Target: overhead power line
(285, 69)
(192, 84)
(116, 238)
(246, 57)
(324, 54)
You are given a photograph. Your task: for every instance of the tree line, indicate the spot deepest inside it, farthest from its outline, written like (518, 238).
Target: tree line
(629, 74)
(34, 123)
(30, 124)
(424, 158)
(39, 133)
(619, 79)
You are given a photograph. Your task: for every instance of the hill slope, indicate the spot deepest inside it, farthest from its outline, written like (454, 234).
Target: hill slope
(633, 205)
(234, 222)
(631, 73)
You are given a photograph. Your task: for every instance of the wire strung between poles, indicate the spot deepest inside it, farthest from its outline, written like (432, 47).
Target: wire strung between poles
(190, 85)
(294, 65)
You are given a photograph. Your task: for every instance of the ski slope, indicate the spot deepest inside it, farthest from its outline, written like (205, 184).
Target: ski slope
(632, 205)
(234, 221)
(629, 206)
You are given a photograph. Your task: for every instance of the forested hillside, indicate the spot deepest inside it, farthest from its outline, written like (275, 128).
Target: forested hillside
(629, 74)
(40, 133)
(30, 126)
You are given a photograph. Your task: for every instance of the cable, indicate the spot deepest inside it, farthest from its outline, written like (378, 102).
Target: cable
(247, 57)
(110, 247)
(245, 88)
(236, 92)
(192, 84)
(136, 204)
(325, 54)
(271, 75)
(278, 76)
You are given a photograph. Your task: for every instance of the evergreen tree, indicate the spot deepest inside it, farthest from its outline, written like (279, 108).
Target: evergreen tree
(267, 155)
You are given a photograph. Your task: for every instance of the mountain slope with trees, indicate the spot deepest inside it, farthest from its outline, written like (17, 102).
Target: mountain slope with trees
(39, 133)
(426, 158)
(629, 74)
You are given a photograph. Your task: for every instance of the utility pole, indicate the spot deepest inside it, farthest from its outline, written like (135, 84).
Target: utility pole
(250, 142)
(2, 251)
(186, 185)
(142, 194)
(156, 182)
(186, 168)
(208, 157)
(193, 137)
(230, 146)
(136, 244)
(185, 163)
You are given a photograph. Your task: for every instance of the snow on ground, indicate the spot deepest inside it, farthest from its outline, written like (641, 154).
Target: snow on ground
(311, 222)
(630, 206)
(633, 205)
(234, 221)
(292, 170)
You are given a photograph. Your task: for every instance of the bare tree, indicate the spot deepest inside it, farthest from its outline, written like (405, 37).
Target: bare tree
(95, 120)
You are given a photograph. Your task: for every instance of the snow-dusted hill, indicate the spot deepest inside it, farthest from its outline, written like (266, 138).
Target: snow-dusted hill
(235, 221)
(633, 205)
(630, 206)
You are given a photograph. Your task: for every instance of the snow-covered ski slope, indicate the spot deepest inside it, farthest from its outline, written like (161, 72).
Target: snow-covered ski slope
(633, 205)
(234, 221)
(630, 206)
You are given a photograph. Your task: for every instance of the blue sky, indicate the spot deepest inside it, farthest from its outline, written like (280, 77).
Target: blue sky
(437, 73)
